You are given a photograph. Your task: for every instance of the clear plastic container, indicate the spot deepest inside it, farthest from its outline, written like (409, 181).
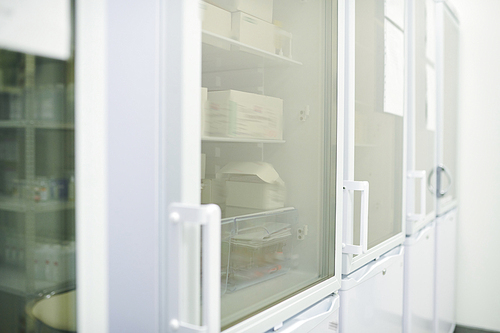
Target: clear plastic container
(256, 248)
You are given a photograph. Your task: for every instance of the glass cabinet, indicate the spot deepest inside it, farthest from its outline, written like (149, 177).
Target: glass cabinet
(37, 191)
(269, 147)
(447, 63)
(424, 115)
(375, 132)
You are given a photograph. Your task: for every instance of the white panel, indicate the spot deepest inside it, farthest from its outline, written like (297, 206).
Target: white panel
(320, 317)
(394, 89)
(419, 281)
(371, 299)
(446, 232)
(90, 141)
(479, 139)
(40, 27)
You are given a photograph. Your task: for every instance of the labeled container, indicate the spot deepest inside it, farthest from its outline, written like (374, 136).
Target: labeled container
(239, 114)
(253, 31)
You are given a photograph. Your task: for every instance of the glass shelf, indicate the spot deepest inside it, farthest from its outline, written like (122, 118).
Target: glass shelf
(242, 140)
(11, 90)
(35, 123)
(17, 205)
(222, 54)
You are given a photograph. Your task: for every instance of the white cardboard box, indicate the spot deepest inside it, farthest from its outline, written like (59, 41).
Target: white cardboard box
(253, 32)
(215, 19)
(254, 185)
(262, 9)
(244, 115)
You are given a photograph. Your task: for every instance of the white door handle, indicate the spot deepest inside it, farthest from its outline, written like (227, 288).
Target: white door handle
(363, 187)
(208, 217)
(418, 174)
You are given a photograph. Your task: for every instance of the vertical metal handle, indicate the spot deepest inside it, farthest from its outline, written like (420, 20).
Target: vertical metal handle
(440, 169)
(418, 174)
(364, 188)
(208, 217)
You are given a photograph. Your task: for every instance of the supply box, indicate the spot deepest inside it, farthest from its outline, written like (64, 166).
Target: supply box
(262, 9)
(253, 31)
(215, 19)
(240, 114)
(254, 185)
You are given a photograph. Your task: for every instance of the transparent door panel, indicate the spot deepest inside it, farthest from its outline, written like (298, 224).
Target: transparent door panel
(450, 108)
(379, 127)
(37, 192)
(425, 108)
(268, 148)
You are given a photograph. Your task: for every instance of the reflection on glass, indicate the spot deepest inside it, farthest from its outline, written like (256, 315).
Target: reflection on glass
(379, 117)
(425, 105)
(37, 194)
(268, 143)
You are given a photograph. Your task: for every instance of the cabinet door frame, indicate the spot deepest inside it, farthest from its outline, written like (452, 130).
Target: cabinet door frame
(350, 262)
(293, 305)
(442, 8)
(117, 131)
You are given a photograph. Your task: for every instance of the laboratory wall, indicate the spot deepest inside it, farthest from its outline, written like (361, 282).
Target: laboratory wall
(478, 250)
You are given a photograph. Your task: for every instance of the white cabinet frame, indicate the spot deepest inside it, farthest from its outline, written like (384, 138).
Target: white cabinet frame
(350, 262)
(117, 170)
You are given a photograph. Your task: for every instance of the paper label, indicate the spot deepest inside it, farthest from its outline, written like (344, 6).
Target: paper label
(394, 92)
(430, 114)
(39, 27)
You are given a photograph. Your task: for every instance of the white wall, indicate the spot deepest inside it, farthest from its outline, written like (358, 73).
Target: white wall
(478, 271)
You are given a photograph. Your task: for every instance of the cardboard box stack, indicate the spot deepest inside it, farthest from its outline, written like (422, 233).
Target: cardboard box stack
(239, 114)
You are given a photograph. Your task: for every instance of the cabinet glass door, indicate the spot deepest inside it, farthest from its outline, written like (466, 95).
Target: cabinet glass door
(37, 194)
(425, 104)
(269, 146)
(377, 130)
(448, 102)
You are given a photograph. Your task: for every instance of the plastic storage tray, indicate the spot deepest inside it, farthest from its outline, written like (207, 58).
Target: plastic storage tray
(256, 248)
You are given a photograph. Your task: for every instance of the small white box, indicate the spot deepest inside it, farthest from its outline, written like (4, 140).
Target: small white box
(254, 32)
(212, 191)
(203, 102)
(244, 115)
(262, 9)
(215, 19)
(254, 185)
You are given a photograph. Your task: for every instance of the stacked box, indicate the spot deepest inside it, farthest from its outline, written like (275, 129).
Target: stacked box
(262, 9)
(215, 19)
(239, 114)
(253, 32)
